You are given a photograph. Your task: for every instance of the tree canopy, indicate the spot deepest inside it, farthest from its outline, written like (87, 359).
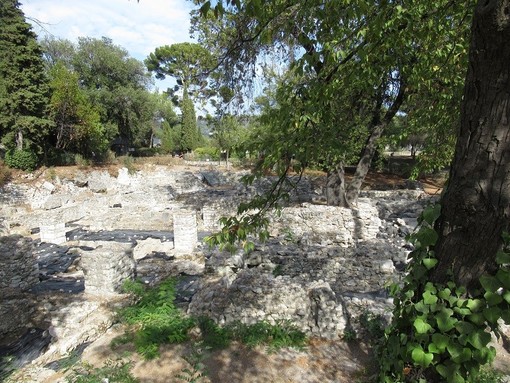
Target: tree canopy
(355, 66)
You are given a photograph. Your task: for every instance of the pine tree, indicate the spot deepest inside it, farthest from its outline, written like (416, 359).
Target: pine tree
(23, 85)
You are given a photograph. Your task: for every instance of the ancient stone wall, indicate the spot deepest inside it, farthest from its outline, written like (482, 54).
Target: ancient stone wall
(18, 267)
(18, 274)
(328, 225)
(255, 296)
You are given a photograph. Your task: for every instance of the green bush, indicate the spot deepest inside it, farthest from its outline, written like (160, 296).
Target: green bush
(205, 153)
(21, 159)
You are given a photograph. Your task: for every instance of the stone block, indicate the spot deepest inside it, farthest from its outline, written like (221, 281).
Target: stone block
(53, 233)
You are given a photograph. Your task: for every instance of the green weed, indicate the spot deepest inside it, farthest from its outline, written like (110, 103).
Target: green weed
(155, 317)
(111, 372)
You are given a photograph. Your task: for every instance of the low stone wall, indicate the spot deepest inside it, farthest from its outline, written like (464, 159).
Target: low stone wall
(106, 266)
(254, 296)
(18, 274)
(328, 225)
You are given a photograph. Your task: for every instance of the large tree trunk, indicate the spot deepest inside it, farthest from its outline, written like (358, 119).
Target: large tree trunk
(476, 205)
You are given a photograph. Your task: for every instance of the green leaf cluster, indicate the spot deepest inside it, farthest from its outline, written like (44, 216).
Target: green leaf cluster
(157, 318)
(442, 332)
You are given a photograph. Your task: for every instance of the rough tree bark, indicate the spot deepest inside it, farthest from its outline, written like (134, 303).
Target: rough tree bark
(476, 204)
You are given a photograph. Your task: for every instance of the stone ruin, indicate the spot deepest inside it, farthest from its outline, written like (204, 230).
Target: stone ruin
(321, 267)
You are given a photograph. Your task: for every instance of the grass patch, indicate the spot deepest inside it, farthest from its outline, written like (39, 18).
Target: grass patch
(277, 336)
(5, 174)
(155, 320)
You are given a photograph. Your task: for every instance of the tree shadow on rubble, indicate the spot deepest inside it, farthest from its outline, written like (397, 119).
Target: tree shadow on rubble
(50, 314)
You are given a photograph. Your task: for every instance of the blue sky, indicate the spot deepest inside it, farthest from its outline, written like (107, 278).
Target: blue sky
(139, 27)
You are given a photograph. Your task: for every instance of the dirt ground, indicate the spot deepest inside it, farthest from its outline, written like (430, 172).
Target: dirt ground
(320, 362)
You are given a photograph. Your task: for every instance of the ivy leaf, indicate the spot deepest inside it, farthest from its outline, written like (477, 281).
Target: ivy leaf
(421, 326)
(504, 277)
(484, 355)
(489, 283)
(444, 319)
(429, 263)
(479, 339)
(421, 357)
(431, 214)
(464, 327)
(493, 299)
(492, 314)
(502, 257)
(439, 342)
(426, 236)
(476, 318)
(475, 305)
(429, 298)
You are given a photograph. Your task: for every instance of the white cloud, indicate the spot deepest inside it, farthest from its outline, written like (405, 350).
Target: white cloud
(137, 27)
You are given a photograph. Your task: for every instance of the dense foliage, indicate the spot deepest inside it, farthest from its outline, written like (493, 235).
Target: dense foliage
(24, 87)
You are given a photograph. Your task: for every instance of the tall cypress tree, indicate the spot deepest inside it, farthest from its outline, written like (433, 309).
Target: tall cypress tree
(24, 87)
(190, 136)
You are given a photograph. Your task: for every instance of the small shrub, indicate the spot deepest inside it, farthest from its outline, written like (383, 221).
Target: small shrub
(213, 336)
(111, 372)
(129, 163)
(21, 159)
(81, 161)
(488, 375)
(155, 317)
(196, 371)
(282, 334)
(349, 335)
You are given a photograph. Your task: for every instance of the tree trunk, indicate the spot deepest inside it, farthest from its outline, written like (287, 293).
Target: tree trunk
(377, 128)
(335, 187)
(19, 140)
(363, 166)
(476, 205)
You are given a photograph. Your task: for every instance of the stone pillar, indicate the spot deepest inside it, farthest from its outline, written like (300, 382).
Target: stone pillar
(210, 217)
(55, 233)
(185, 232)
(106, 266)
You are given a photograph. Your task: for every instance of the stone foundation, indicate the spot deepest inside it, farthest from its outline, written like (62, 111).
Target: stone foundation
(106, 266)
